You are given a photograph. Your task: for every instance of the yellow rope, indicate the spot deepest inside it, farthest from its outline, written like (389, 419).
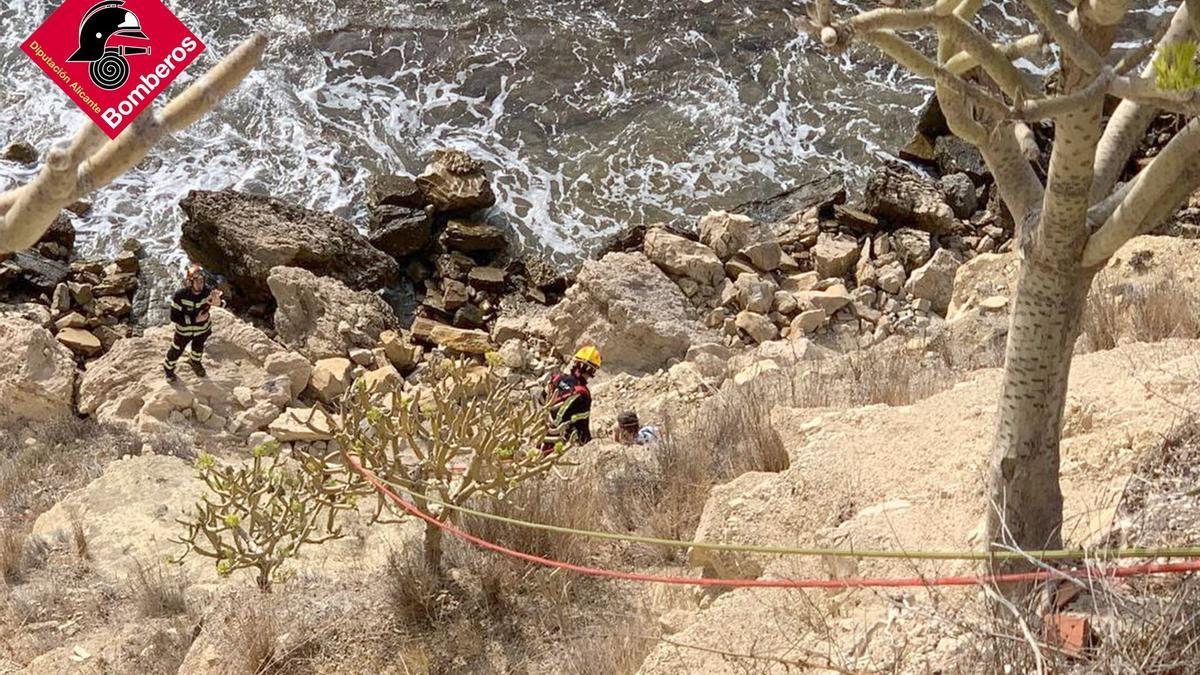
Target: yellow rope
(1053, 554)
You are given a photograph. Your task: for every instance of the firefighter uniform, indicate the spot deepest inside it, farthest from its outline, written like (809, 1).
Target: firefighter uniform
(190, 316)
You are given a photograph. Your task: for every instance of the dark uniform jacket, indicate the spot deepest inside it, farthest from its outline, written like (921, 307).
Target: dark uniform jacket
(186, 308)
(571, 408)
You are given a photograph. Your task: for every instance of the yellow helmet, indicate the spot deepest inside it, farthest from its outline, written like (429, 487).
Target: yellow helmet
(589, 355)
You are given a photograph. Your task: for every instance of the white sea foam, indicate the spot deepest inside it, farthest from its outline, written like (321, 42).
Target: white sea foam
(592, 114)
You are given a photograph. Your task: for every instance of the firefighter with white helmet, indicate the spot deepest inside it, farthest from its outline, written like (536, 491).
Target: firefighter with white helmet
(190, 307)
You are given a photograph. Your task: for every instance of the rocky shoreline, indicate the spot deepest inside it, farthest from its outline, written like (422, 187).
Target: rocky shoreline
(811, 269)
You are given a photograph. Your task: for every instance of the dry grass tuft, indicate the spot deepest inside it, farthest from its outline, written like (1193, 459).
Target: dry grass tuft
(253, 636)
(1139, 312)
(892, 376)
(158, 591)
(617, 648)
(12, 556)
(413, 589)
(42, 462)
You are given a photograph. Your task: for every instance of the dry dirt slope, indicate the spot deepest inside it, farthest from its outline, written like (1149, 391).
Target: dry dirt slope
(911, 477)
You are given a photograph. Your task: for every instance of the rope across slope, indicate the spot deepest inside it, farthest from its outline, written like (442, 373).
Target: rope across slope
(906, 582)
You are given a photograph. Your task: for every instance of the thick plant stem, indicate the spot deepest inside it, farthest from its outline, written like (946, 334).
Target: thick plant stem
(1024, 493)
(433, 547)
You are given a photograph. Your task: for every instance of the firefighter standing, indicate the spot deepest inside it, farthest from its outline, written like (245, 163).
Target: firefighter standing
(571, 401)
(190, 307)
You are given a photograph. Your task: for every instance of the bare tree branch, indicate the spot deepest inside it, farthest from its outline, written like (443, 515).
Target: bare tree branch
(1019, 186)
(1129, 121)
(1057, 106)
(1073, 44)
(1143, 90)
(72, 172)
(889, 18)
(1151, 186)
(1022, 48)
(995, 62)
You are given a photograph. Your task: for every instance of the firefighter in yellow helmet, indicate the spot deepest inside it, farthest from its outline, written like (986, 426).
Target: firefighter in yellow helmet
(571, 401)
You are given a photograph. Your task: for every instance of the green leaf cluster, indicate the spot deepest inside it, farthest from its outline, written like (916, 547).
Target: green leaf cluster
(1175, 67)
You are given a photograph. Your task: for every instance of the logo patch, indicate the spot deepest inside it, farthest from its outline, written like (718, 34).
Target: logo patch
(112, 57)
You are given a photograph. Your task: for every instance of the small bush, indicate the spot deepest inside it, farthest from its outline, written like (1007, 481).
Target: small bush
(573, 505)
(67, 453)
(892, 376)
(612, 649)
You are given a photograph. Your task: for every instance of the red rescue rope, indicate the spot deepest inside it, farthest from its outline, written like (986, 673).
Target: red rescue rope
(910, 582)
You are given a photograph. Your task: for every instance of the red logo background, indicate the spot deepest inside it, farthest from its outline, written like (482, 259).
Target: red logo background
(58, 38)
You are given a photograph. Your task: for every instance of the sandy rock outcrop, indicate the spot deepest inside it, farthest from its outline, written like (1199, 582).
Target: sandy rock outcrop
(251, 379)
(243, 237)
(128, 514)
(37, 373)
(880, 477)
(143, 646)
(321, 318)
(985, 287)
(631, 310)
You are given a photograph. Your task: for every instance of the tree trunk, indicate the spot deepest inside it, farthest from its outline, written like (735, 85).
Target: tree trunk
(1025, 499)
(433, 547)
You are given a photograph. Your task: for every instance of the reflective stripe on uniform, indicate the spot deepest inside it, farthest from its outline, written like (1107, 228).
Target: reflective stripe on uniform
(561, 411)
(192, 329)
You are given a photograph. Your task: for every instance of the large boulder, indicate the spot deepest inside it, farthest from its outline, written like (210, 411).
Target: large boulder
(819, 193)
(458, 340)
(399, 231)
(37, 272)
(934, 281)
(455, 183)
(251, 379)
(471, 237)
(683, 257)
(302, 424)
(330, 378)
(906, 198)
(755, 293)
(393, 190)
(835, 256)
(37, 374)
(242, 237)
(631, 310)
(320, 317)
(725, 233)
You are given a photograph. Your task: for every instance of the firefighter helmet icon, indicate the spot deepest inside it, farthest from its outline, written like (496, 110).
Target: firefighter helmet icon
(109, 18)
